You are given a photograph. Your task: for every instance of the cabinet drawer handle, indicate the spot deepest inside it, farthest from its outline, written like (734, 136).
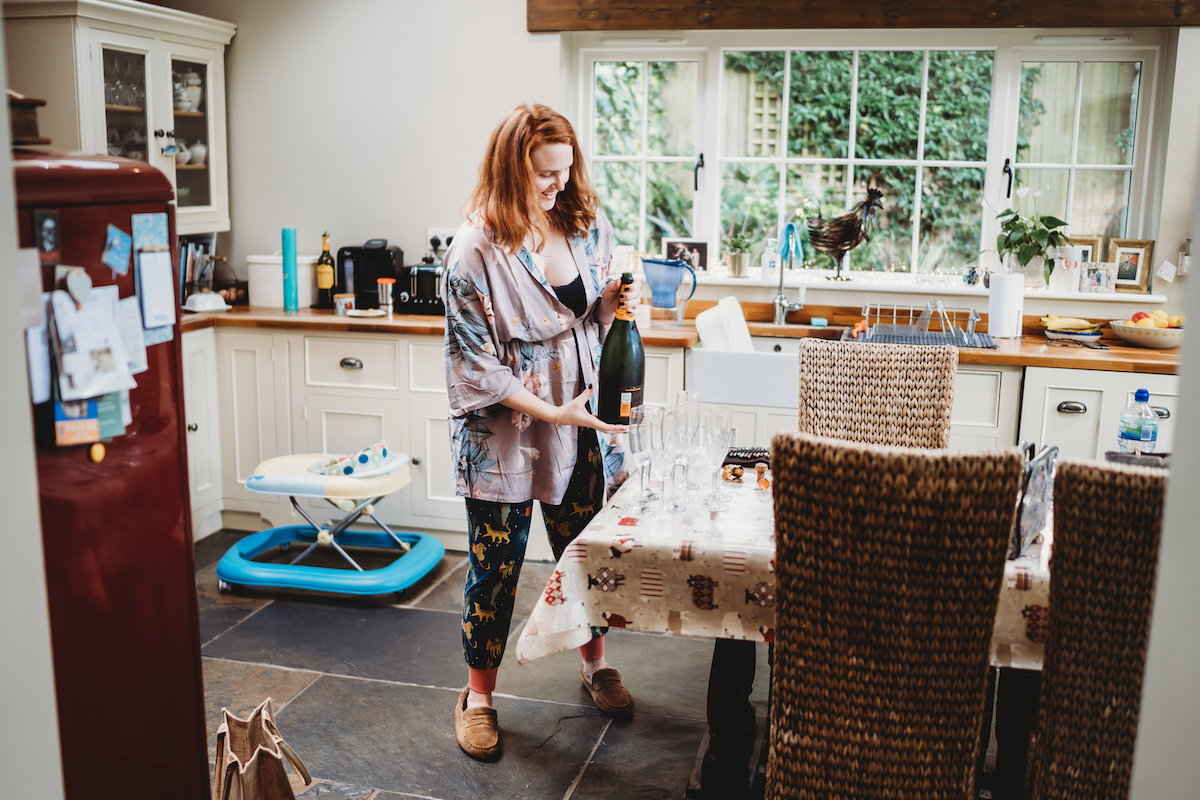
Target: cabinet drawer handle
(351, 363)
(416, 460)
(193, 427)
(1162, 411)
(1072, 407)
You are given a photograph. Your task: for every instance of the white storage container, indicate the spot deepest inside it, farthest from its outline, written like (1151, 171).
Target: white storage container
(266, 280)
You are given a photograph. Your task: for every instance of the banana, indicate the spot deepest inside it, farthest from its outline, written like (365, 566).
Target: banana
(1053, 323)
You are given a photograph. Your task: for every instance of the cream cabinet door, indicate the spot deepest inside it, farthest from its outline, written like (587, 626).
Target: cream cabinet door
(200, 399)
(434, 501)
(987, 407)
(664, 375)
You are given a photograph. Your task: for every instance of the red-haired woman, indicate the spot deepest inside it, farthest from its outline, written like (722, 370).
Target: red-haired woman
(528, 301)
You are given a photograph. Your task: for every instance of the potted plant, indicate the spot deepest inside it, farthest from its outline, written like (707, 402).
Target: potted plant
(1030, 240)
(737, 253)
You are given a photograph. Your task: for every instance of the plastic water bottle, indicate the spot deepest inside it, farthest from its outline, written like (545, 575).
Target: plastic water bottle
(1139, 425)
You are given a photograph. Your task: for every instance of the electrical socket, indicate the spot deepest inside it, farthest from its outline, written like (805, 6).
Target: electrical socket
(441, 233)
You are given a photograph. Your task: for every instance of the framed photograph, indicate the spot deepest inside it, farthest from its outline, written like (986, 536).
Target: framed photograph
(1097, 276)
(693, 251)
(1133, 258)
(1089, 247)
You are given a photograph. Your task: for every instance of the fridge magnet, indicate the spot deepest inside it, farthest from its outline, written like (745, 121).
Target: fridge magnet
(1133, 259)
(1097, 276)
(117, 250)
(149, 230)
(76, 422)
(45, 236)
(692, 252)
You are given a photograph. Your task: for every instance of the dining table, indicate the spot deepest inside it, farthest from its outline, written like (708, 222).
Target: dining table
(711, 574)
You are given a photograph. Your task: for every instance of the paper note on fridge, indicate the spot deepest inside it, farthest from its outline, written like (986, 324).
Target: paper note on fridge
(156, 288)
(129, 315)
(88, 345)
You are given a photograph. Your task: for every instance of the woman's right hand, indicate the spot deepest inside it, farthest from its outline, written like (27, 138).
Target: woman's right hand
(575, 412)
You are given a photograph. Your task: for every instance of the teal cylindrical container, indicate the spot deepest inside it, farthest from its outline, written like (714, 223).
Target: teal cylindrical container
(291, 299)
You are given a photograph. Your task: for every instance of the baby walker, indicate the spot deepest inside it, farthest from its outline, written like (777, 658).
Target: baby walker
(356, 494)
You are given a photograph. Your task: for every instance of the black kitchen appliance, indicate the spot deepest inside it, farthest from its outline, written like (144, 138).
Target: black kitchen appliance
(419, 290)
(358, 269)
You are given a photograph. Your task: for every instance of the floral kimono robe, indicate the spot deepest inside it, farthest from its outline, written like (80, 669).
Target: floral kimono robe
(505, 331)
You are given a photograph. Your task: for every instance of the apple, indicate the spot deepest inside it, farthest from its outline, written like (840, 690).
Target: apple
(1138, 316)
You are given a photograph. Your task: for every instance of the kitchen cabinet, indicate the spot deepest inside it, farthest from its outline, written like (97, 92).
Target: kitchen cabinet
(131, 79)
(201, 415)
(1078, 410)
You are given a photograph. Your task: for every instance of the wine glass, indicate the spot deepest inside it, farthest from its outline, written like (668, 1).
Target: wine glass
(665, 454)
(717, 432)
(687, 418)
(689, 401)
(641, 433)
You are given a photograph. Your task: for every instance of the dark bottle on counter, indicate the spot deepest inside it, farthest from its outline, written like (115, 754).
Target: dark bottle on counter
(622, 367)
(325, 274)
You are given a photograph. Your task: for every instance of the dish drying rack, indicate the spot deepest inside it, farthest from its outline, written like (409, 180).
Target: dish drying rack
(896, 324)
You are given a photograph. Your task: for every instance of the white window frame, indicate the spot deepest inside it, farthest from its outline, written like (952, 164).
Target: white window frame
(1011, 47)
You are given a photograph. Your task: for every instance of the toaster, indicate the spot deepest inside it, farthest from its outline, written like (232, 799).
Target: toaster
(359, 269)
(419, 290)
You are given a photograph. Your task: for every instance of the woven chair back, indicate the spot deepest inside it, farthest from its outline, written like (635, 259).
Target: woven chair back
(1107, 527)
(889, 394)
(888, 569)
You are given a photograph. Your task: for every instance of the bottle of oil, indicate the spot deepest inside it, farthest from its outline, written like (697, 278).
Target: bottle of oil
(622, 367)
(325, 273)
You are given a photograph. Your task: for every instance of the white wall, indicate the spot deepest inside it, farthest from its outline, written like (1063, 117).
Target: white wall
(30, 762)
(367, 118)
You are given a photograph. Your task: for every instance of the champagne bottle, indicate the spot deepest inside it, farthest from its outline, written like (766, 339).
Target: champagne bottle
(622, 367)
(325, 273)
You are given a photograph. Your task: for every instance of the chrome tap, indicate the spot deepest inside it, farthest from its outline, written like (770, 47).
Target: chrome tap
(790, 247)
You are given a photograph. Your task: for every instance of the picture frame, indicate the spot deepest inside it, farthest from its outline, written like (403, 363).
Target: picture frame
(1134, 260)
(693, 251)
(1089, 247)
(1098, 277)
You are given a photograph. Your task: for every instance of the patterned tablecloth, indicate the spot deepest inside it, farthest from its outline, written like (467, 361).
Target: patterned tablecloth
(712, 575)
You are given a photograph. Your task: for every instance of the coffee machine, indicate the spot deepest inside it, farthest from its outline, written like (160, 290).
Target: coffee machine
(359, 269)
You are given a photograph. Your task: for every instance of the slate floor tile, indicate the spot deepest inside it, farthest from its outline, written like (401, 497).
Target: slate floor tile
(220, 612)
(447, 595)
(665, 674)
(332, 790)
(398, 644)
(210, 549)
(643, 757)
(401, 739)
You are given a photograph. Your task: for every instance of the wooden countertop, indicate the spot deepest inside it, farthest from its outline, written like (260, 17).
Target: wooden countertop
(1029, 351)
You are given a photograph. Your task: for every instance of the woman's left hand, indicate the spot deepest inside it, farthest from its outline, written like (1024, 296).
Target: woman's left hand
(615, 295)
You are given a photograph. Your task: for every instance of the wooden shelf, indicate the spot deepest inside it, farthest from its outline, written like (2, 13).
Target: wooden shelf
(127, 109)
(191, 166)
(189, 113)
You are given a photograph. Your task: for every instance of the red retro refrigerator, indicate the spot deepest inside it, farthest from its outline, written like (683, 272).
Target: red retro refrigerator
(117, 533)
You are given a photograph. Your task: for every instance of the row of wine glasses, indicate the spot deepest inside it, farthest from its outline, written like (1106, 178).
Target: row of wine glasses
(665, 442)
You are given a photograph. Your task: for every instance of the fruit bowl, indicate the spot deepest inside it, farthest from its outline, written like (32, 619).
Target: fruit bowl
(1158, 338)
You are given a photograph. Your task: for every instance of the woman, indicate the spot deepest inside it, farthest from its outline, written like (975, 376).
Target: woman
(528, 302)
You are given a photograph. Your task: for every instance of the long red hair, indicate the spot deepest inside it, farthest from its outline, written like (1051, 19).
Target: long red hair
(506, 196)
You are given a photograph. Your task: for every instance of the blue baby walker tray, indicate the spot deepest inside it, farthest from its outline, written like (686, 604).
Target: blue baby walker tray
(356, 495)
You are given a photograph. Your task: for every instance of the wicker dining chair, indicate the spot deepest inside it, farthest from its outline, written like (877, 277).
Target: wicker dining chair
(1107, 527)
(891, 394)
(888, 569)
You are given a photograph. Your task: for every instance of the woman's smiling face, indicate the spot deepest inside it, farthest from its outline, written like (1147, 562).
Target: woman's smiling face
(551, 170)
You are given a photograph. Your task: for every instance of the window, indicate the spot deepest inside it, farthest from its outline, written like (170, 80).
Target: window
(797, 124)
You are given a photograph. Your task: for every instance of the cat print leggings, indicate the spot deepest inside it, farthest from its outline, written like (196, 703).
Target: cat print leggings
(498, 534)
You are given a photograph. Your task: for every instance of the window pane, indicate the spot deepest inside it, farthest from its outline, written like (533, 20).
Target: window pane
(1108, 112)
(669, 197)
(890, 247)
(813, 189)
(819, 115)
(752, 103)
(889, 101)
(619, 103)
(748, 202)
(959, 98)
(951, 219)
(1047, 192)
(619, 185)
(672, 115)
(1100, 206)
(1047, 114)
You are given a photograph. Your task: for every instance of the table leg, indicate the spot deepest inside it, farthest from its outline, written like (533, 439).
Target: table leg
(1018, 694)
(725, 772)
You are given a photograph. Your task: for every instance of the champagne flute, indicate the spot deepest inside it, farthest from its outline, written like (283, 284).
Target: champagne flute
(641, 431)
(666, 452)
(690, 401)
(717, 433)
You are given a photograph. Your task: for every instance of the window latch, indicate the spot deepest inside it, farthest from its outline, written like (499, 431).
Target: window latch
(696, 172)
(1008, 170)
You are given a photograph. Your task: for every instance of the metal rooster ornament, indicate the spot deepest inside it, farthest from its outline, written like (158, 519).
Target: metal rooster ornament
(836, 237)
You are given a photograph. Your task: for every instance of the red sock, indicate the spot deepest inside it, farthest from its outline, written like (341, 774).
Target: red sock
(482, 681)
(593, 649)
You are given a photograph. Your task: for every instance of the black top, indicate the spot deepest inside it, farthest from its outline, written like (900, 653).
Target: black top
(573, 296)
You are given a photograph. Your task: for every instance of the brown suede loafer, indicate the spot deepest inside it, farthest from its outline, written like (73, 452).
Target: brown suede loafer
(609, 694)
(476, 730)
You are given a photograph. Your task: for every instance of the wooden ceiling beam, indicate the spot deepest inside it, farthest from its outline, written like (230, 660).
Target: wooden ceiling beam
(547, 16)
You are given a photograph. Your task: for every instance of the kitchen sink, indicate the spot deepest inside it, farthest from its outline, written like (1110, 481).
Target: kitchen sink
(765, 377)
